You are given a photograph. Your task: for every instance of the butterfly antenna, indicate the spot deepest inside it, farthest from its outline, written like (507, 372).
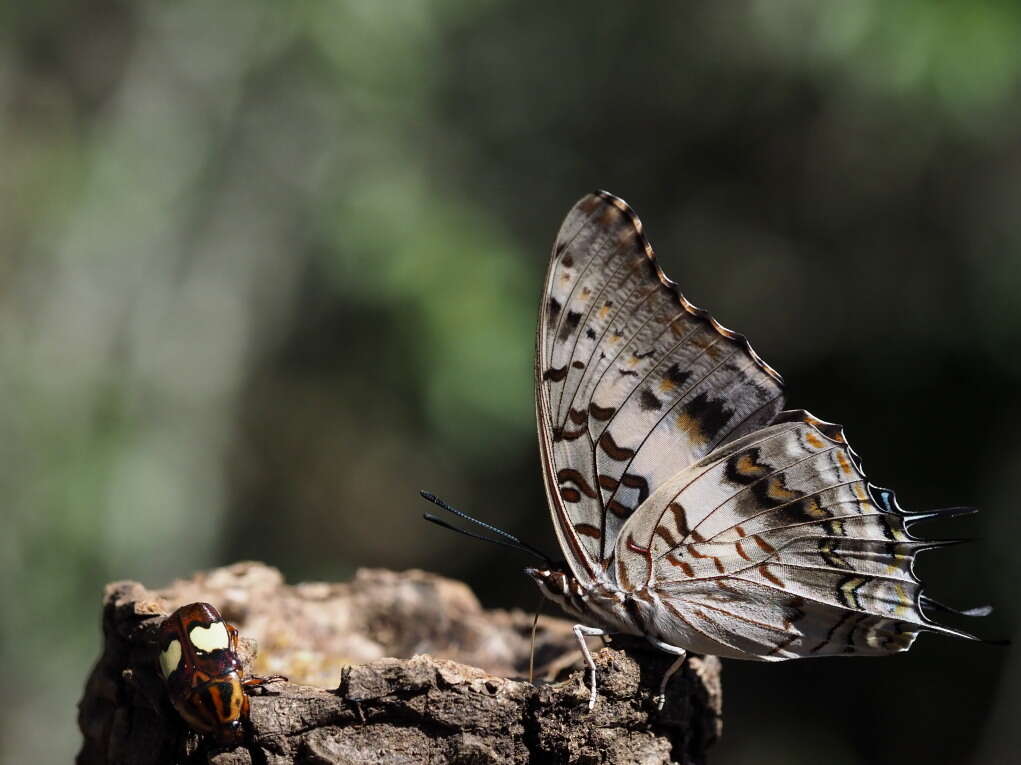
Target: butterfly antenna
(508, 540)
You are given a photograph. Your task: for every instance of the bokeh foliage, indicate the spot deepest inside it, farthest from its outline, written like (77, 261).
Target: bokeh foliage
(269, 268)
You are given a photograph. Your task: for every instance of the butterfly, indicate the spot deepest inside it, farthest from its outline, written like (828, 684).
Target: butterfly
(691, 508)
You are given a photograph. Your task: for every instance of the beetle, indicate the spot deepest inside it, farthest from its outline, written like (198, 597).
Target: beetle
(204, 676)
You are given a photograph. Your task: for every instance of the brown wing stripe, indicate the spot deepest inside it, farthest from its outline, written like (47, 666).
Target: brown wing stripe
(588, 530)
(766, 573)
(680, 519)
(569, 494)
(741, 552)
(562, 434)
(578, 418)
(608, 483)
(601, 413)
(633, 481)
(618, 453)
(681, 564)
(621, 511)
(664, 533)
(572, 475)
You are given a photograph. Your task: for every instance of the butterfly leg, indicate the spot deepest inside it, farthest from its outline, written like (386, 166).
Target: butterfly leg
(580, 631)
(671, 670)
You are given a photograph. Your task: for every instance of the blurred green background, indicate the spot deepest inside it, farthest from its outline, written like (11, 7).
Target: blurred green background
(269, 268)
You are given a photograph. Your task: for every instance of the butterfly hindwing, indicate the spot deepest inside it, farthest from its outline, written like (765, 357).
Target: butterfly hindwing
(634, 383)
(775, 546)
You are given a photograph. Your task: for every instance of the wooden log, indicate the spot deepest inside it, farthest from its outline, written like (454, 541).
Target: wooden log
(462, 696)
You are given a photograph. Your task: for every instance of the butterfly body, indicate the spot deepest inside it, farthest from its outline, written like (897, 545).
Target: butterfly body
(602, 602)
(691, 508)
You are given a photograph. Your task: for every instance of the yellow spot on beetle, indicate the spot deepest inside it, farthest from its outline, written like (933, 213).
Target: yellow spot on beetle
(170, 657)
(211, 638)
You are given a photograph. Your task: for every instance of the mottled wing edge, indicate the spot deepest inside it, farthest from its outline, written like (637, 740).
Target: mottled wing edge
(671, 285)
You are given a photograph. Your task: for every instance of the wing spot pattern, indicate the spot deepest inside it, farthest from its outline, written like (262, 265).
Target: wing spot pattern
(555, 375)
(649, 402)
(847, 591)
(703, 418)
(570, 324)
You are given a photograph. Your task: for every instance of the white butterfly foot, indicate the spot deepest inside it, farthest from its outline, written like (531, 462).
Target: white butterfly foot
(581, 631)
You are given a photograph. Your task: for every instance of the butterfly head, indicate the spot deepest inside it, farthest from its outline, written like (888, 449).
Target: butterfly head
(559, 586)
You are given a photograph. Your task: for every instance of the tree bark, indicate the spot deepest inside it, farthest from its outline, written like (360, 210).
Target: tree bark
(462, 697)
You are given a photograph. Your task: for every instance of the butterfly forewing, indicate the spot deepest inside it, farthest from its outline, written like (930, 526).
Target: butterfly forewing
(633, 382)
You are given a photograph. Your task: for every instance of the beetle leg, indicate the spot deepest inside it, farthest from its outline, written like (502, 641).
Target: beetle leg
(232, 637)
(255, 681)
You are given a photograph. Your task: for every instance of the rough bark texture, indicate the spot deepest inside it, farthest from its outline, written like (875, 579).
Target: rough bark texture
(453, 701)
